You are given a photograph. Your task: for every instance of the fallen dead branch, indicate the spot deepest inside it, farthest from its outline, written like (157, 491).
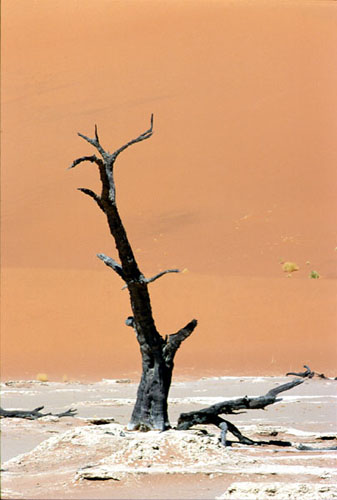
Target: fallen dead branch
(35, 414)
(210, 415)
(308, 373)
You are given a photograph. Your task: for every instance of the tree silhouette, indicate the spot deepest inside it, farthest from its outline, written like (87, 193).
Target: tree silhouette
(150, 410)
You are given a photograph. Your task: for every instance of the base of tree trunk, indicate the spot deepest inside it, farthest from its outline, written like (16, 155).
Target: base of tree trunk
(150, 411)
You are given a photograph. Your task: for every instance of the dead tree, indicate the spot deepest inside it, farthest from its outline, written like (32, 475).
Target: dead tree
(150, 410)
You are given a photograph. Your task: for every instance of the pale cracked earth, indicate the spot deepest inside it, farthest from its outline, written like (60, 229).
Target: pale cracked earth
(76, 458)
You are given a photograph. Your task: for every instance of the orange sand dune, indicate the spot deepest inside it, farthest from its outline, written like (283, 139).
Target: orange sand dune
(70, 323)
(238, 177)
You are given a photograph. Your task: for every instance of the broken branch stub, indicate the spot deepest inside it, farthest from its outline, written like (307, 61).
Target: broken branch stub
(174, 340)
(108, 261)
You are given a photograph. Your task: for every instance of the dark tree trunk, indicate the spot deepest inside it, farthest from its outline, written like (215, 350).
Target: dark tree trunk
(150, 411)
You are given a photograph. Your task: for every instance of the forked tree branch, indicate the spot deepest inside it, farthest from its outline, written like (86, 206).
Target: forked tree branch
(106, 166)
(95, 142)
(108, 157)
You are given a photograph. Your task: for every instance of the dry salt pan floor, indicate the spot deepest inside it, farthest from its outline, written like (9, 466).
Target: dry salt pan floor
(81, 458)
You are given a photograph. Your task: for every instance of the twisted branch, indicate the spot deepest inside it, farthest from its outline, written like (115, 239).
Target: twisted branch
(308, 373)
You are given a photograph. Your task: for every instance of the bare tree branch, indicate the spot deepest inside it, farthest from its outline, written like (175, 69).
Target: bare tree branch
(107, 157)
(96, 134)
(308, 373)
(95, 142)
(209, 414)
(141, 137)
(159, 275)
(108, 261)
(92, 158)
(92, 195)
(174, 340)
(106, 167)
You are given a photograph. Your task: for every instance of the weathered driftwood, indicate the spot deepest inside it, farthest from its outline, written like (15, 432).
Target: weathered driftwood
(210, 415)
(308, 373)
(34, 414)
(305, 447)
(150, 410)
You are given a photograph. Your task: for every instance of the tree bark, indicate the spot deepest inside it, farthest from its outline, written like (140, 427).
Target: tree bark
(150, 411)
(210, 415)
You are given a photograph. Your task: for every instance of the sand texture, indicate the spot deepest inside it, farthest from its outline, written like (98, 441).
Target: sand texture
(238, 179)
